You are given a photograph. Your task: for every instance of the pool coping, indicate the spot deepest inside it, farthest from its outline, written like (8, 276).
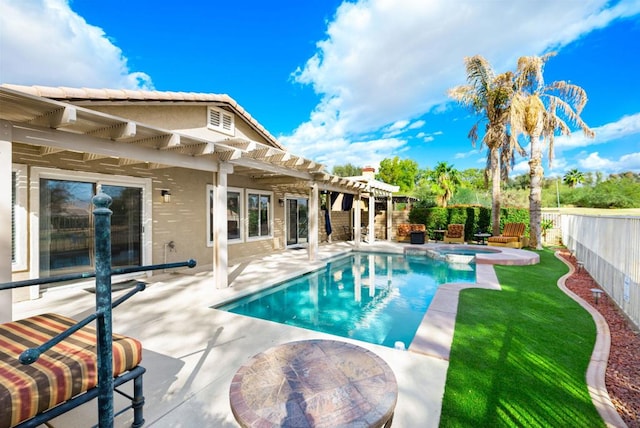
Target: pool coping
(435, 333)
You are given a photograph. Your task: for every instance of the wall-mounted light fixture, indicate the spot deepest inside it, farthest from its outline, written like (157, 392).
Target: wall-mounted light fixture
(166, 195)
(281, 202)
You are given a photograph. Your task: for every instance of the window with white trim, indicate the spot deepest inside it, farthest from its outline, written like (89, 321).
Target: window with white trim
(211, 195)
(234, 215)
(220, 120)
(235, 212)
(19, 242)
(259, 213)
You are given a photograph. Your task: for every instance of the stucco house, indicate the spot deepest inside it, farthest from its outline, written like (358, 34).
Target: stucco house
(191, 176)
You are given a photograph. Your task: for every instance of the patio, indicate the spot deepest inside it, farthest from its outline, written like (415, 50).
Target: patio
(191, 351)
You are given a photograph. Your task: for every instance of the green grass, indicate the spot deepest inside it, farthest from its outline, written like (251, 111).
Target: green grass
(519, 356)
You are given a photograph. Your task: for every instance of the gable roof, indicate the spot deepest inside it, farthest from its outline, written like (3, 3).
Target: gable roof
(55, 119)
(88, 96)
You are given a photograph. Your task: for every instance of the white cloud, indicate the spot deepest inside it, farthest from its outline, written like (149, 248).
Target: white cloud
(385, 61)
(626, 126)
(628, 162)
(417, 124)
(49, 44)
(470, 153)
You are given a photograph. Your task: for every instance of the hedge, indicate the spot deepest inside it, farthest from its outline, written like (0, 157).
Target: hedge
(475, 218)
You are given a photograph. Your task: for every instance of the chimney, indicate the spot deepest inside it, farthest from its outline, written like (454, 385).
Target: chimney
(369, 172)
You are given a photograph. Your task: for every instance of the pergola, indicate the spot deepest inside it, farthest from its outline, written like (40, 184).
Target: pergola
(55, 126)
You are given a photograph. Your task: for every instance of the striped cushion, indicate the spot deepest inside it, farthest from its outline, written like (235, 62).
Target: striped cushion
(62, 372)
(503, 239)
(514, 229)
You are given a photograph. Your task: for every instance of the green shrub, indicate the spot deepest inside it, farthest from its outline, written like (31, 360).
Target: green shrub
(474, 218)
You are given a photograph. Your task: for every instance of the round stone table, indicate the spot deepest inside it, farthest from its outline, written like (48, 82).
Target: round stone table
(314, 383)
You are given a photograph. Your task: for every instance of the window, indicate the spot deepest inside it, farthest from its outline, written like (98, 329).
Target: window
(259, 213)
(19, 217)
(210, 204)
(234, 215)
(220, 120)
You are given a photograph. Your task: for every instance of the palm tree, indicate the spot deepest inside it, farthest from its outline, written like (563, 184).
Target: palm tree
(573, 177)
(535, 114)
(490, 95)
(445, 180)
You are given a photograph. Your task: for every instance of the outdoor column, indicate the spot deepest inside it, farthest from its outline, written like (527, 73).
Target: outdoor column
(220, 248)
(314, 196)
(389, 217)
(328, 214)
(5, 218)
(372, 219)
(357, 221)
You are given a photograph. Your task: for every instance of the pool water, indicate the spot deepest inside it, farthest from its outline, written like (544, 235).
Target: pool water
(373, 297)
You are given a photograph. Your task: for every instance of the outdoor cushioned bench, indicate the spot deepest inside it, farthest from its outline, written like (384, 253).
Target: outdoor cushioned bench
(64, 376)
(511, 236)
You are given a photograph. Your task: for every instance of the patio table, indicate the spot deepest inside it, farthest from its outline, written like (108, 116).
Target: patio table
(314, 383)
(440, 232)
(482, 237)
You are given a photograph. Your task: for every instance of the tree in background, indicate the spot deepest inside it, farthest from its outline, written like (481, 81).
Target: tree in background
(444, 180)
(399, 172)
(489, 95)
(473, 178)
(617, 191)
(347, 170)
(534, 113)
(573, 178)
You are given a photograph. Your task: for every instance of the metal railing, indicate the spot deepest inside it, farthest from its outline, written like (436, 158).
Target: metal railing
(104, 306)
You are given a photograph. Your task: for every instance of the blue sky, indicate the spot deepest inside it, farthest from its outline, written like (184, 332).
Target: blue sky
(344, 82)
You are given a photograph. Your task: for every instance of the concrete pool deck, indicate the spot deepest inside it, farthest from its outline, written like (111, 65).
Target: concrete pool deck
(191, 351)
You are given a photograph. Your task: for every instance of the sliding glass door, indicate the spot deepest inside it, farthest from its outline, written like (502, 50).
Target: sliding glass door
(126, 225)
(66, 225)
(297, 218)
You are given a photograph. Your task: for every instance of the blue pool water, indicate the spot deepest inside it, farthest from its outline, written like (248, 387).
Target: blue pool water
(376, 298)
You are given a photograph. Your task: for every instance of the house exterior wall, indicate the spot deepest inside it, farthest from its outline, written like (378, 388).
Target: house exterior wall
(189, 120)
(181, 221)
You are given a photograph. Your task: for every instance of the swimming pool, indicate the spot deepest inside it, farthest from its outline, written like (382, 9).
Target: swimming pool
(373, 297)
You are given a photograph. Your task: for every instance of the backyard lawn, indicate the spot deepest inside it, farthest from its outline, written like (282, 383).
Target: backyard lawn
(519, 356)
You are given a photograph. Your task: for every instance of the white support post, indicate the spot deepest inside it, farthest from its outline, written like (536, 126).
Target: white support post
(389, 217)
(314, 197)
(5, 218)
(357, 219)
(220, 247)
(328, 214)
(372, 219)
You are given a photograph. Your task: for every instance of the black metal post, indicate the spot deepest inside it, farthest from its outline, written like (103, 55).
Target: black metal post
(102, 219)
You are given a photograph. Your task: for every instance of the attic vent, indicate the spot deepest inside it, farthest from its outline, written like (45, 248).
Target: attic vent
(221, 121)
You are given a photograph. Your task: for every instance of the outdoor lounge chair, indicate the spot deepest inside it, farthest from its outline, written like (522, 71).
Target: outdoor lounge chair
(64, 376)
(454, 234)
(406, 229)
(512, 236)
